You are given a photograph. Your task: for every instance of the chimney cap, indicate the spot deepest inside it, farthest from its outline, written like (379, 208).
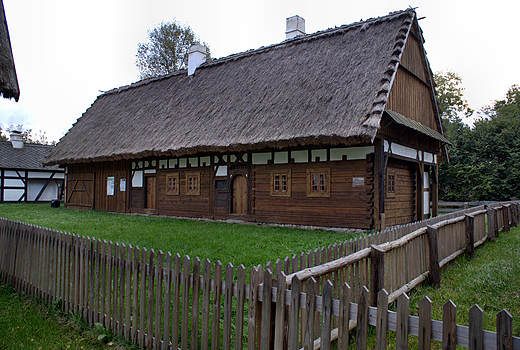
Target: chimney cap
(294, 26)
(15, 136)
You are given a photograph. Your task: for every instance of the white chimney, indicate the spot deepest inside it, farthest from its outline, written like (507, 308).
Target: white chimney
(196, 57)
(16, 139)
(294, 26)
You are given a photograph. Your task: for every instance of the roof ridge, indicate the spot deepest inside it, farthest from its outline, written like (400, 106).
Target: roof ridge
(298, 39)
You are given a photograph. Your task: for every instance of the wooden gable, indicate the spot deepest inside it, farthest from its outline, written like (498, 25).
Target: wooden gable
(412, 93)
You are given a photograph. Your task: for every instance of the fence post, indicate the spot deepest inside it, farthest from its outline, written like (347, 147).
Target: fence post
(492, 223)
(505, 215)
(514, 215)
(377, 272)
(435, 277)
(469, 222)
(504, 330)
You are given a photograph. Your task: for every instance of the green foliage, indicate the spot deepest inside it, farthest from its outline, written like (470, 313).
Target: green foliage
(39, 138)
(450, 96)
(483, 159)
(167, 49)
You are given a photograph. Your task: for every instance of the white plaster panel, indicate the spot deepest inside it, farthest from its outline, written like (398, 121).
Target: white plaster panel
(221, 171)
(359, 152)
(435, 158)
(261, 158)
(182, 163)
(301, 156)
(13, 183)
(149, 171)
(14, 173)
(426, 203)
(172, 163)
(404, 151)
(194, 162)
(163, 163)
(426, 179)
(35, 186)
(386, 145)
(338, 153)
(205, 161)
(320, 153)
(12, 195)
(137, 180)
(281, 157)
(428, 157)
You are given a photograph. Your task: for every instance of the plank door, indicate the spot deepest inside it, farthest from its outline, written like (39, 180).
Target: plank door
(150, 192)
(240, 195)
(122, 187)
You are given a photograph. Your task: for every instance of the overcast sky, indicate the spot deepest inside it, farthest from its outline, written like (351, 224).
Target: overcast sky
(67, 51)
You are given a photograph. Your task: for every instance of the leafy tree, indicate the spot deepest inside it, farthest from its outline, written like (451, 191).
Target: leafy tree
(167, 49)
(450, 95)
(39, 138)
(2, 136)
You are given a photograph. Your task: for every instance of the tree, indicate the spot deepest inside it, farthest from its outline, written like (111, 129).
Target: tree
(450, 96)
(40, 138)
(167, 50)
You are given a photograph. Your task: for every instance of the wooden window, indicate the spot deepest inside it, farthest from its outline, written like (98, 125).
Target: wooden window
(318, 182)
(193, 184)
(390, 184)
(281, 183)
(172, 184)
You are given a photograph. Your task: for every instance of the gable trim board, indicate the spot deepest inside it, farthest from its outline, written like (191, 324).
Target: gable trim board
(312, 102)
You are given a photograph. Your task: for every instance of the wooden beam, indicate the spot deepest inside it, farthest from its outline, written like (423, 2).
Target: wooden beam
(44, 186)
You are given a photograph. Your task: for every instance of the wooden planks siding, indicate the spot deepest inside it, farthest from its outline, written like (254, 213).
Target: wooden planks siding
(347, 205)
(411, 97)
(401, 208)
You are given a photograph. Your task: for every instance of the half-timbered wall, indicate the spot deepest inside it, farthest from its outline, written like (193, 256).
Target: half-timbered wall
(19, 185)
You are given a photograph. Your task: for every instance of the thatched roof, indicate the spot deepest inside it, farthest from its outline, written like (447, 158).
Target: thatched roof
(327, 87)
(8, 81)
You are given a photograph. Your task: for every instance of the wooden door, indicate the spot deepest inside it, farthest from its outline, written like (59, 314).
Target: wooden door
(240, 195)
(150, 192)
(121, 190)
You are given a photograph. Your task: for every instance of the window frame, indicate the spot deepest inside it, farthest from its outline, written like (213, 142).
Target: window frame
(318, 194)
(273, 191)
(176, 190)
(390, 184)
(196, 191)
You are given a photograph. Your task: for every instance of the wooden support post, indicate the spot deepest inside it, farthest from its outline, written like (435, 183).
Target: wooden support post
(379, 182)
(435, 191)
(492, 223)
(435, 277)
(377, 272)
(470, 228)
(505, 216)
(514, 215)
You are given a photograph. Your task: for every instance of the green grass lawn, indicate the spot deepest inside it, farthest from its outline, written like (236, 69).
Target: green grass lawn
(491, 279)
(26, 324)
(249, 245)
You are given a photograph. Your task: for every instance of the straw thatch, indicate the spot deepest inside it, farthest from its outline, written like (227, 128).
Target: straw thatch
(8, 81)
(330, 87)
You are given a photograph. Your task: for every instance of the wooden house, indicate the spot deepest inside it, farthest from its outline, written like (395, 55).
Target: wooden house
(23, 178)
(8, 81)
(336, 128)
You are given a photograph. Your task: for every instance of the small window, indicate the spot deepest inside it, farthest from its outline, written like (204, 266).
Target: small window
(318, 182)
(390, 185)
(281, 183)
(172, 184)
(193, 184)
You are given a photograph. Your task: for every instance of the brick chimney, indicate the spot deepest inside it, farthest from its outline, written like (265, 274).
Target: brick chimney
(294, 26)
(196, 57)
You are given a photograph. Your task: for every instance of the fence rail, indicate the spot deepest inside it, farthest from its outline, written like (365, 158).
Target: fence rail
(162, 301)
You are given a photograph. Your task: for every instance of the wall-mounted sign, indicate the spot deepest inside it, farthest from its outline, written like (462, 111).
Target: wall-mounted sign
(111, 181)
(122, 185)
(358, 181)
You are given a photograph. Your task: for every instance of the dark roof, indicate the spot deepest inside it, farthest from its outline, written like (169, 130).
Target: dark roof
(327, 87)
(30, 157)
(8, 81)
(412, 124)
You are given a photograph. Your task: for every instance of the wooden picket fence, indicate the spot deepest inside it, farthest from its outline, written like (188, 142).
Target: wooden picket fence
(162, 301)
